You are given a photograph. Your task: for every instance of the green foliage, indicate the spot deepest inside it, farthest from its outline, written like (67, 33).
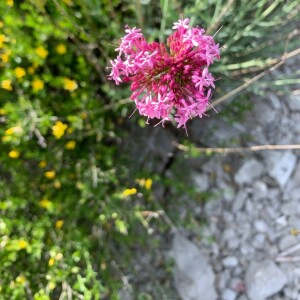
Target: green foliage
(71, 211)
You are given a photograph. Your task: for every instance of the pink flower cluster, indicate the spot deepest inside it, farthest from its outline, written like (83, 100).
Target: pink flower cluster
(168, 82)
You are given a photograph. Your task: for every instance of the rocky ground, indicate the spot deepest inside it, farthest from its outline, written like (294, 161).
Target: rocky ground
(249, 248)
(252, 247)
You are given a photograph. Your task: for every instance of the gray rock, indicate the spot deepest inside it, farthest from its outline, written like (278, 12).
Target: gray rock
(229, 294)
(193, 275)
(264, 279)
(124, 294)
(294, 102)
(201, 182)
(260, 190)
(239, 200)
(250, 170)
(291, 208)
(281, 166)
(230, 262)
(261, 226)
(287, 241)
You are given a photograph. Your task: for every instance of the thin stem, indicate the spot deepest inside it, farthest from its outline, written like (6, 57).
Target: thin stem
(238, 149)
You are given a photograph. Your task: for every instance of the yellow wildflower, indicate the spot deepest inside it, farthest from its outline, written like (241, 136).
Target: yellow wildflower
(42, 164)
(129, 192)
(294, 231)
(70, 85)
(19, 72)
(57, 184)
(59, 224)
(6, 84)
(70, 145)
(37, 84)
(5, 56)
(14, 154)
(41, 52)
(148, 184)
(45, 203)
(51, 262)
(58, 130)
(61, 49)
(12, 130)
(50, 174)
(10, 3)
(21, 279)
(2, 40)
(2, 111)
(22, 244)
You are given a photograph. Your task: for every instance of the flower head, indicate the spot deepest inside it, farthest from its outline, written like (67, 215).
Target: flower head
(6, 84)
(58, 130)
(70, 85)
(37, 84)
(169, 82)
(41, 52)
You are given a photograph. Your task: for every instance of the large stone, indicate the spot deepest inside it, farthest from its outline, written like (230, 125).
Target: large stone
(281, 166)
(193, 275)
(250, 170)
(264, 279)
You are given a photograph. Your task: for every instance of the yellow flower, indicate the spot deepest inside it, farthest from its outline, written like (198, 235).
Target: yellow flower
(129, 192)
(2, 40)
(6, 84)
(37, 84)
(70, 85)
(12, 130)
(41, 52)
(2, 111)
(22, 244)
(51, 262)
(58, 130)
(10, 3)
(42, 164)
(57, 184)
(294, 231)
(148, 184)
(59, 224)
(70, 145)
(61, 49)
(5, 56)
(19, 72)
(14, 154)
(45, 203)
(21, 279)
(50, 174)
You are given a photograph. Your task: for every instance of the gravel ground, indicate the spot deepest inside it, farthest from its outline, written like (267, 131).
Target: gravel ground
(249, 249)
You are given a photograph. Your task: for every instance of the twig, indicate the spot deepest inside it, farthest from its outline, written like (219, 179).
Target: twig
(278, 62)
(290, 250)
(239, 149)
(288, 259)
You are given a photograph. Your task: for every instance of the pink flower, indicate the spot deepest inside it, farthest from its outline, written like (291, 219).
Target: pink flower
(169, 82)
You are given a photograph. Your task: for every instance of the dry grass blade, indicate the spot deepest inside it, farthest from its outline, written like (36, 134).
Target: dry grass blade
(277, 63)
